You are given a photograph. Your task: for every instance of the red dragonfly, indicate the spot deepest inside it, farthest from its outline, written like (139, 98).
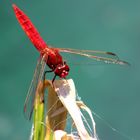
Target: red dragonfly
(51, 56)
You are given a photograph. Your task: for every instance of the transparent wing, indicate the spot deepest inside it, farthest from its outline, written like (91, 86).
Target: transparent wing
(106, 57)
(29, 102)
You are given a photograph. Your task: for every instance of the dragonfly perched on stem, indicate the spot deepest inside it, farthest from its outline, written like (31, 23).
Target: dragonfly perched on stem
(51, 56)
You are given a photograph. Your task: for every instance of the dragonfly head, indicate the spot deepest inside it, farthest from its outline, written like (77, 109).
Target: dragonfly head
(62, 70)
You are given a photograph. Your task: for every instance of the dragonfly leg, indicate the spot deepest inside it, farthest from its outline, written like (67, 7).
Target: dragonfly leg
(53, 81)
(53, 78)
(48, 71)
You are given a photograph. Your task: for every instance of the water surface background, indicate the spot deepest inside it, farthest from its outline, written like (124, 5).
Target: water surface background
(111, 91)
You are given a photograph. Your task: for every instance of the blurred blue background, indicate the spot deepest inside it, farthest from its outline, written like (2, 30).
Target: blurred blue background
(111, 91)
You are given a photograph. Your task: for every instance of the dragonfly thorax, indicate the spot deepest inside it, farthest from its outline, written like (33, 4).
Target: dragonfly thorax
(55, 62)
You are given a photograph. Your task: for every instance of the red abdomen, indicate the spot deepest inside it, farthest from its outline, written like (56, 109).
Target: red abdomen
(29, 29)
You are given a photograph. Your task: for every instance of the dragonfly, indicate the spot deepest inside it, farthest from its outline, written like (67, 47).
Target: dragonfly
(51, 57)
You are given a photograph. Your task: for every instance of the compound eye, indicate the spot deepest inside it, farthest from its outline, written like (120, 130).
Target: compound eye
(64, 74)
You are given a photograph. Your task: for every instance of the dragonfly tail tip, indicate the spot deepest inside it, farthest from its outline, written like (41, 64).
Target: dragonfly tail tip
(14, 6)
